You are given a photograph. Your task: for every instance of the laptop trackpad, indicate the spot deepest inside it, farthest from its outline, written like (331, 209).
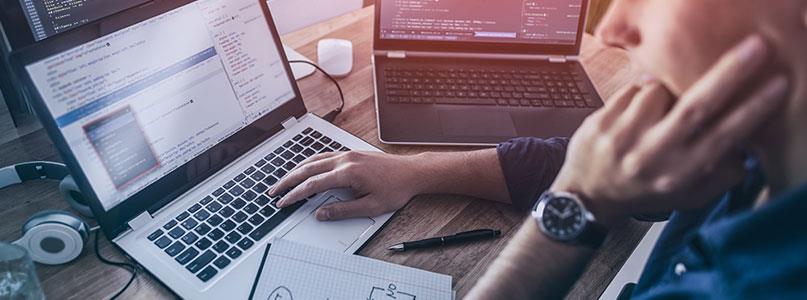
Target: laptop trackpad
(336, 235)
(464, 122)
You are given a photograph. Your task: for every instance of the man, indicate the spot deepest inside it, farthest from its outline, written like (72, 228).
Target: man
(701, 129)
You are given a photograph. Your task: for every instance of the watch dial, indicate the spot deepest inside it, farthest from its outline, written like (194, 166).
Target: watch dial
(563, 217)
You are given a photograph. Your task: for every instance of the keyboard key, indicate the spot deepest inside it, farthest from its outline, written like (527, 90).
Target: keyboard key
(262, 200)
(239, 217)
(234, 253)
(201, 215)
(202, 261)
(221, 262)
(267, 211)
(175, 248)
(206, 200)
(189, 224)
(326, 140)
(250, 195)
(215, 220)
(233, 237)
(278, 151)
(298, 159)
(258, 176)
(190, 238)
(248, 183)
(194, 208)
(176, 233)
(221, 246)
(296, 148)
(239, 177)
(227, 212)
(251, 208)
(336, 145)
(317, 146)
(277, 162)
(307, 141)
(238, 204)
(308, 152)
(279, 173)
(260, 188)
(268, 169)
(260, 163)
(245, 244)
(289, 166)
(163, 242)
(202, 229)
(218, 192)
(207, 274)
(316, 134)
(250, 170)
(184, 215)
(237, 191)
(287, 155)
(270, 180)
(244, 228)
(307, 130)
(154, 235)
(214, 207)
(227, 225)
(297, 137)
(203, 244)
(256, 220)
(170, 224)
(226, 198)
(215, 234)
(230, 184)
(269, 157)
(187, 256)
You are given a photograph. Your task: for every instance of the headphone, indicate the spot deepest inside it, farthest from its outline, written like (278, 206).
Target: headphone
(51, 237)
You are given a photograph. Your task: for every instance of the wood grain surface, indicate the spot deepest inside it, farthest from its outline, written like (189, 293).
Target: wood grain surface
(425, 216)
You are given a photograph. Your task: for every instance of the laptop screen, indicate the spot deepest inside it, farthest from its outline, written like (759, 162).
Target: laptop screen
(142, 101)
(553, 22)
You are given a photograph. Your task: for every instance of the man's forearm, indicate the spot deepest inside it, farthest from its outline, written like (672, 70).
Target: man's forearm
(475, 173)
(532, 267)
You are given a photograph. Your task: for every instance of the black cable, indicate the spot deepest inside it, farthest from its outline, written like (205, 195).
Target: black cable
(331, 115)
(127, 266)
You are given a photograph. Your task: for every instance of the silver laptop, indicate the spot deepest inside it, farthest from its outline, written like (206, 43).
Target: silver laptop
(458, 72)
(176, 117)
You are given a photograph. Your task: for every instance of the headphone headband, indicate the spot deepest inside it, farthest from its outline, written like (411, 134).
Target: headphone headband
(32, 171)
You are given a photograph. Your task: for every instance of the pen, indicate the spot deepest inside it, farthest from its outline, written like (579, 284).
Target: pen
(461, 237)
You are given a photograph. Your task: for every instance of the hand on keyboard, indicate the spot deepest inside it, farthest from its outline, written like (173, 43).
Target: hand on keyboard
(381, 182)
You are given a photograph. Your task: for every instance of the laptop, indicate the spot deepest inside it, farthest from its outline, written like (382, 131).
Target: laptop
(175, 118)
(455, 72)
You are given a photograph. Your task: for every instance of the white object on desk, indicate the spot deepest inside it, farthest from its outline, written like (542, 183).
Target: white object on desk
(295, 271)
(335, 56)
(632, 269)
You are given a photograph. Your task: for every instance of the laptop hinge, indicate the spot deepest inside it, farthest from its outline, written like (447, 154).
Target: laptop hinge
(141, 221)
(289, 123)
(558, 59)
(396, 54)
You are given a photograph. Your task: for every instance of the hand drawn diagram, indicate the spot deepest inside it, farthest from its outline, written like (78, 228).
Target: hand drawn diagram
(281, 293)
(390, 292)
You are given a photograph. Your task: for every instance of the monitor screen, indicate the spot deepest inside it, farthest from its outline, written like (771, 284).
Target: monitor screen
(504, 21)
(48, 17)
(142, 101)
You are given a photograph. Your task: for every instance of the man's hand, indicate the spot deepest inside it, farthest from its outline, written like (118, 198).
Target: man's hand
(645, 152)
(381, 182)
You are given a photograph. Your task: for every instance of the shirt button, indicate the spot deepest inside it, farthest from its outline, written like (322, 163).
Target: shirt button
(680, 269)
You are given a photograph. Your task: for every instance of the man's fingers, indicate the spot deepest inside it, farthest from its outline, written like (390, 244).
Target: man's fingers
(363, 207)
(742, 122)
(303, 172)
(319, 157)
(647, 108)
(707, 98)
(314, 185)
(617, 105)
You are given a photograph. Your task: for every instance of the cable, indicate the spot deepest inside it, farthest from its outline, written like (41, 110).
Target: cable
(331, 116)
(124, 265)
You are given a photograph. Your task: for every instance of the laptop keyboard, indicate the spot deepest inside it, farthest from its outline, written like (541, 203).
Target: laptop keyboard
(487, 86)
(215, 231)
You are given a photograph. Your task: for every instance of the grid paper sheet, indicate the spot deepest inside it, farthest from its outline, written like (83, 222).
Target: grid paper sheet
(295, 271)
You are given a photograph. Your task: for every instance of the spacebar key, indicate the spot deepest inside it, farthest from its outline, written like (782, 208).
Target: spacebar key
(466, 101)
(267, 226)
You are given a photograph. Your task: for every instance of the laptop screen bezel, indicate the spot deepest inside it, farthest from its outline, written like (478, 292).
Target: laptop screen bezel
(168, 188)
(478, 47)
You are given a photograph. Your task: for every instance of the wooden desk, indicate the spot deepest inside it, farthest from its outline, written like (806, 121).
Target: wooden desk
(87, 278)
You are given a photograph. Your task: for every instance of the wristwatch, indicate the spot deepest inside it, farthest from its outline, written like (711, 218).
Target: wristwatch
(561, 216)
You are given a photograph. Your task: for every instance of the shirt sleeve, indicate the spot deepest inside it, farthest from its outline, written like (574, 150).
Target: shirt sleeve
(530, 165)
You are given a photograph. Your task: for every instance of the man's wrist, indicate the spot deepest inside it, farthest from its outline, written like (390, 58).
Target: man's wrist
(604, 220)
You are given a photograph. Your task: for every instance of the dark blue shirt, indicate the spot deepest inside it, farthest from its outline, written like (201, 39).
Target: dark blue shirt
(726, 250)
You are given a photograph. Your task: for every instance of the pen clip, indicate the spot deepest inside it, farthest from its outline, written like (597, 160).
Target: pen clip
(474, 231)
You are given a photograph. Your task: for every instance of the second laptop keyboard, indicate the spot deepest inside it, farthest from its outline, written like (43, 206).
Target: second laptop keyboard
(216, 230)
(487, 86)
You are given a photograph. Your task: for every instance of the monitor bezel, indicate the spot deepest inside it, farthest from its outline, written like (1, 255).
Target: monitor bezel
(479, 47)
(167, 189)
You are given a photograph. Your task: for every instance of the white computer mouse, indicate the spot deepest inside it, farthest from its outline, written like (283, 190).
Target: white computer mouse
(335, 56)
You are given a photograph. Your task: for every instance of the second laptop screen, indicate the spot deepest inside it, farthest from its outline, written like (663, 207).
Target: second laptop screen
(502, 21)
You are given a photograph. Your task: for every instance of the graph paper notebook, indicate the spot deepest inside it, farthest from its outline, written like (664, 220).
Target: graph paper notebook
(295, 271)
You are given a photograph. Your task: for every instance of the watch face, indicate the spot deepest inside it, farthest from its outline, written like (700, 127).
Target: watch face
(562, 218)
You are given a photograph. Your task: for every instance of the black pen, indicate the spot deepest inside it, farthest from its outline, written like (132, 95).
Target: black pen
(461, 237)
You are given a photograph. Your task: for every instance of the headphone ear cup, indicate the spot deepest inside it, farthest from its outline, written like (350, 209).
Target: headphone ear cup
(54, 237)
(73, 196)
